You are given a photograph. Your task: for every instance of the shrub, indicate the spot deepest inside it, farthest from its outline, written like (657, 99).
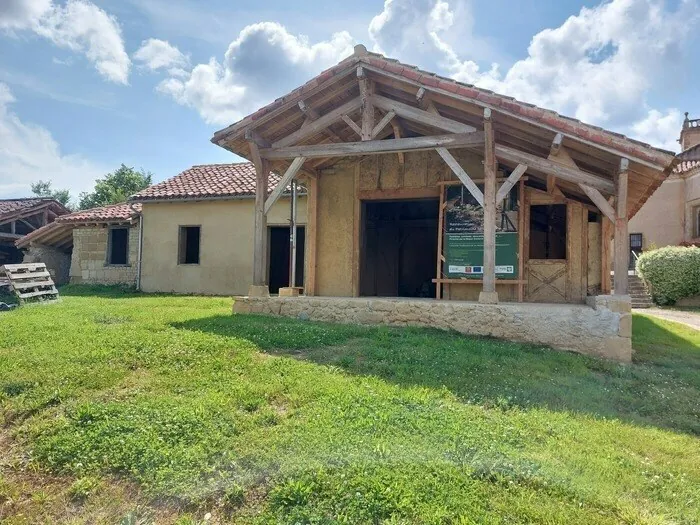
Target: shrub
(672, 272)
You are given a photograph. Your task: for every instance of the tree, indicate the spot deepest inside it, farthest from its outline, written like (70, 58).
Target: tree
(115, 187)
(42, 188)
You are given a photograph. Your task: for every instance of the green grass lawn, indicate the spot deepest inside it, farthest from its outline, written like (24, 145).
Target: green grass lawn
(127, 408)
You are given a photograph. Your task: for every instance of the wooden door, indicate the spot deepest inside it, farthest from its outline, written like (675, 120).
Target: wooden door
(546, 281)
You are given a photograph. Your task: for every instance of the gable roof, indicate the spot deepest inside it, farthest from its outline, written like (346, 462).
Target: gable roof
(438, 84)
(207, 181)
(20, 207)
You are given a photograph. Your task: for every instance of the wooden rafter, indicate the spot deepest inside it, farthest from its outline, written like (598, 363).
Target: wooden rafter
(313, 115)
(558, 170)
(421, 116)
(600, 201)
(319, 125)
(375, 147)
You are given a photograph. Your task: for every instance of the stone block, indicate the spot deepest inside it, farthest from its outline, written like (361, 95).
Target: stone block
(258, 291)
(625, 329)
(488, 297)
(288, 291)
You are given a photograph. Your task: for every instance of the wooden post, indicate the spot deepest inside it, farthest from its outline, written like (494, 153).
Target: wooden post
(606, 236)
(259, 287)
(622, 240)
(367, 106)
(311, 235)
(521, 240)
(488, 293)
(441, 234)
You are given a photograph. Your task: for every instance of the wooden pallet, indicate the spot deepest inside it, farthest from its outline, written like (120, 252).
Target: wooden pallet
(31, 281)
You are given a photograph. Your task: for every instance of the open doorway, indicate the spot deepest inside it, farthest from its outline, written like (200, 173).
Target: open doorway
(399, 248)
(279, 257)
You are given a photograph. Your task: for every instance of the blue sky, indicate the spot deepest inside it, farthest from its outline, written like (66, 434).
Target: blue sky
(86, 85)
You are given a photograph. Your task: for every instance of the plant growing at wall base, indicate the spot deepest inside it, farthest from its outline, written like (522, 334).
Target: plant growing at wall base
(672, 272)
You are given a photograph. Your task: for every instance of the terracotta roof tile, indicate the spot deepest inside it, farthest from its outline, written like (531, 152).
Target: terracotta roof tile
(10, 207)
(113, 213)
(207, 181)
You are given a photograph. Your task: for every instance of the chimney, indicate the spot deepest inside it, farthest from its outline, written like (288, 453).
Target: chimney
(690, 134)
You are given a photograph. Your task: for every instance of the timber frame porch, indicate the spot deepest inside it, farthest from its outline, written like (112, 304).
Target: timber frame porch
(369, 105)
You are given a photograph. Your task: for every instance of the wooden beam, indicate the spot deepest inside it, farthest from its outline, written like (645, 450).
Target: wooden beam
(319, 125)
(286, 179)
(376, 147)
(600, 201)
(255, 157)
(622, 241)
(606, 237)
(488, 294)
(357, 129)
(260, 227)
(420, 115)
(398, 133)
(382, 123)
(253, 136)
(511, 181)
(560, 171)
(311, 239)
(313, 115)
(556, 144)
(461, 175)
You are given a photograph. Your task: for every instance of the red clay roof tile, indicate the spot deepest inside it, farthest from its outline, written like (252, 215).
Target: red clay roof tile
(113, 213)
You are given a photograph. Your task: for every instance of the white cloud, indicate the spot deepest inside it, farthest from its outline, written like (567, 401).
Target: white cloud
(79, 25)
(598, 66)
(157, 54)
(660, 129)
(265, 61)
(29, 153)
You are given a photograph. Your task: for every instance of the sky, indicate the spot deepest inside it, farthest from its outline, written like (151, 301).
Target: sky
(86, 85)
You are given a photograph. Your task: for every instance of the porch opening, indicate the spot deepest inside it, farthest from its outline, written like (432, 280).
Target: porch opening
(280, 257)
(399, 248)
(548, 231)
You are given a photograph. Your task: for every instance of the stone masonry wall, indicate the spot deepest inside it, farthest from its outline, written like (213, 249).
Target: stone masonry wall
(89, 260)
(57, 262)
(603, 328)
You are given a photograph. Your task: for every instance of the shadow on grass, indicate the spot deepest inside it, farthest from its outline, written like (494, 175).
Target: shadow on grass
(660, 389)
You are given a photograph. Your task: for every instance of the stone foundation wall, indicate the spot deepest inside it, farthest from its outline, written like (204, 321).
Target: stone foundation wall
(602, 328)
(89, 260)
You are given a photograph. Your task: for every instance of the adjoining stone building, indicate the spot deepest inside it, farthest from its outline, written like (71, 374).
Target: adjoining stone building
(420, 186)
(671, 216)
(191, 234)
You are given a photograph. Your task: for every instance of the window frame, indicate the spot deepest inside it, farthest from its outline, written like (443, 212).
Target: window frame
(108, 254)
(182, 245)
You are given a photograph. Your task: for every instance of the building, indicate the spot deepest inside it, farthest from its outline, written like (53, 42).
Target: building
(671, 216)
(422, 186)
(96, 246)
(189, 234)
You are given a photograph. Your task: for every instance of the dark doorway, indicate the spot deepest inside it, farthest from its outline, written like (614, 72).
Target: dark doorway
(548, 231)
(399, 251)
(279, 257)
(636, 244)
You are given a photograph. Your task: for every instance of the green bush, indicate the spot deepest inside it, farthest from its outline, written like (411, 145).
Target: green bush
(672, 272)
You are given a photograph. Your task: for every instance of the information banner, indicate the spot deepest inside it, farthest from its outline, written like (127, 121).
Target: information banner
(464, 236)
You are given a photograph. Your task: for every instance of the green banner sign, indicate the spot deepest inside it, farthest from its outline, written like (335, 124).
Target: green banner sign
(464, 236)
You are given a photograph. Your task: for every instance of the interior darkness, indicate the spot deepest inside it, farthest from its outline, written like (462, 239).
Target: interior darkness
(189, 244)
(279, 257)
(548, 231)
(118, 245)
(399, 248)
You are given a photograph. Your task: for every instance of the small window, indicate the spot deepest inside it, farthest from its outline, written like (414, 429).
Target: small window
(548, 231)
(189, 245)
(118, 246)
(696, 221)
